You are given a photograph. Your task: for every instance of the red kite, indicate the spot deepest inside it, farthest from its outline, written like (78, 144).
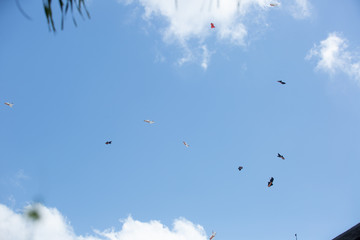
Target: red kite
(148, 121)
(9, 104)
(212, 235)
(186, 145)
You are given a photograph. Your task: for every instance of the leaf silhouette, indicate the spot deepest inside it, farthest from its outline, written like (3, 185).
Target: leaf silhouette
(64, 7)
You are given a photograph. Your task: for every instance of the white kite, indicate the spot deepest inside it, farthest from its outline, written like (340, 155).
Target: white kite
(212, 235)
(148, 121)
(9, 104)
(186, 145)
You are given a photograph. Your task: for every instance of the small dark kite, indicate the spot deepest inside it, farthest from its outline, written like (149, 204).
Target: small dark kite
(270, 183)
(280, 156)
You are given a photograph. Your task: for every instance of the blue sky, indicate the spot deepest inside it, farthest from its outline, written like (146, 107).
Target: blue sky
(215, 89)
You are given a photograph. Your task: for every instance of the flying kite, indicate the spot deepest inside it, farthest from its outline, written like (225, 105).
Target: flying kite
(240, 168)
(186, 145)
(148, 121)
(270, 183)
(280, 156)
(212, 25)
(108, 142)
(273, 4)
(280, 81)
(9, 104)
(212, 235)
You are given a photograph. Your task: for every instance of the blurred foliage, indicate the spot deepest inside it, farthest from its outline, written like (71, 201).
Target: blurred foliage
(33, 214)
(21, 10)
(64, 7)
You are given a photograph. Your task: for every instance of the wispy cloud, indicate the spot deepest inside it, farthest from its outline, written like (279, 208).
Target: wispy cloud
(52, 225)
(334, 57)
(301, 9)
(205, 57)
(159, 57)
(189, 21)
(11, 201)
(19, 177)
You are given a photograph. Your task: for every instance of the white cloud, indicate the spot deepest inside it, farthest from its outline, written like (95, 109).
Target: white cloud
(334, 57)
(189, 20)
(12, 225)
(52, 225)
(154, 230)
